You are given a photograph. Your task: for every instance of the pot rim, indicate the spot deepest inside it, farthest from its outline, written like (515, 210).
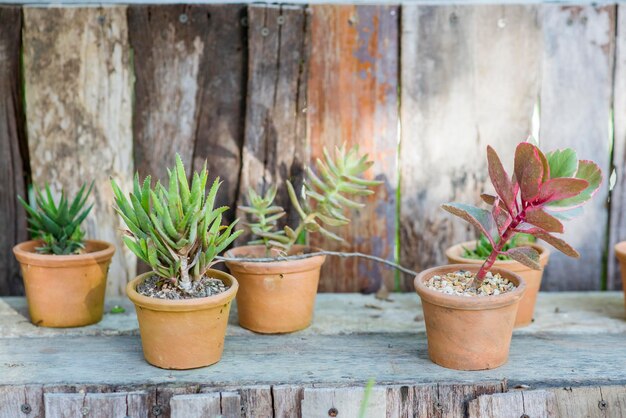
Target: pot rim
(464, 302)
(454, 253)
(288, 266)
(184, 305)
(24, 255)
(620, 250)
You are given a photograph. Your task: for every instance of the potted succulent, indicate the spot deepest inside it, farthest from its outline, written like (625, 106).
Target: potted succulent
(470, 309)
(279, 277)
(64, 275)
(182, 304)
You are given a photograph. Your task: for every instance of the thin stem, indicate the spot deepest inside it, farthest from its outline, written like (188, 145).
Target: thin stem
(309, 255)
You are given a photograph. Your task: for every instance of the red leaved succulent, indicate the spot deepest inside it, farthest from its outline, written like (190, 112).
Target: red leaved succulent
(544, 190)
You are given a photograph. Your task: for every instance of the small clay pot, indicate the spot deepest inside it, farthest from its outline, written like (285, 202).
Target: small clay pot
(65, 290)
(278, 296)
(620, 253)
(531, 277)
(468, 333)
(183, 334)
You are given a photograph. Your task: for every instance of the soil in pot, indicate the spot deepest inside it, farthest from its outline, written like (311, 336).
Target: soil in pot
(469, 331)
(620, 253)
(65, 290)
(275, 297)
(183, 333)
(531, 277)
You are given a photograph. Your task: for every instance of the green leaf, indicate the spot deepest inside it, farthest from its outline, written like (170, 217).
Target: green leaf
(563, 163)
(592, 174)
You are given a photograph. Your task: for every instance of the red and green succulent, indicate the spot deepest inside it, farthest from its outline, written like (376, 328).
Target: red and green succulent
(545, 190)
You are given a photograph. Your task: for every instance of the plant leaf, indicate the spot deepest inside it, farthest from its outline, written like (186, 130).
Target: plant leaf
(481, 219)
(538, 217)
(563, 163)
(558, 189)
(526, 255)
(528, 170)
(592, 174)
(501, 180)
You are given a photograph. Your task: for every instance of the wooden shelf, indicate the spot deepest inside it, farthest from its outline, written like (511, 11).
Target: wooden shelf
(576, 340)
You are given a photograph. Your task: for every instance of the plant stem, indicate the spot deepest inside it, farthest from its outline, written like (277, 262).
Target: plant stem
(185, 281)
(508, 233)
(309, 255)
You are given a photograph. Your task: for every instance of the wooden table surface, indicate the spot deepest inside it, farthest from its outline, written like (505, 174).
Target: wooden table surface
(577, 339)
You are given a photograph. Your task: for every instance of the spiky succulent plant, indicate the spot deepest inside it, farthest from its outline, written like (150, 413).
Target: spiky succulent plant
(544, 190)
(325, 198)
(58, 226)
(175, 230)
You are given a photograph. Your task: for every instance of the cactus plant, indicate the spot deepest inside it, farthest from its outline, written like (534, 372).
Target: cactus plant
(177, 230)
(58, 225)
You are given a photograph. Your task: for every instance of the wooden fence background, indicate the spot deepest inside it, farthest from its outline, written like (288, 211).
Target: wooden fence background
(89, 93)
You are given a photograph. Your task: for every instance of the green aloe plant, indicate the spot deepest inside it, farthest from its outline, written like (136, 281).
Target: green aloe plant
(177, 230)
(58, 225)
(325, 197)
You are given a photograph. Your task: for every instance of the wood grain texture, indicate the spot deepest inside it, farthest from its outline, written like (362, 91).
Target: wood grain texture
(576, 95)
(352, 99)
(343, 402)
(537, 403)
(78, 106)
(469, 78)
(617, 218)
(256, 402)
(189, 65)
(15, 400)
(13, 148)
(231, 404)
(96, 405)
(206, 405)
(275, 146)
(287, 401)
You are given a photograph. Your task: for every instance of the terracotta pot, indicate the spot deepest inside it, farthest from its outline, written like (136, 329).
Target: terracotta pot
(275, 297)
(183, 334)
(65, 290)
(620, 253)
(531, 277)
(468, 333)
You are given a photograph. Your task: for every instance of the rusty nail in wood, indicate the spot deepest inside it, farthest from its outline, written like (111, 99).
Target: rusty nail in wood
(101, 20)
(265, 31)
(84, 411)
(524, 416)
(25, 408)
(280, 20)
(602, 405)
(332, 412)
(183, 18)
(438, 406)
(156, 410)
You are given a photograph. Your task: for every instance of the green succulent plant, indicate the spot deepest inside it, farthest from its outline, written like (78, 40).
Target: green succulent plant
(325, 199)
(58, 226)
(177, 230)
(484, 248)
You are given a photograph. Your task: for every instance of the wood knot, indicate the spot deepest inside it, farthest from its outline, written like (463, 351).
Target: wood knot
(332, 412)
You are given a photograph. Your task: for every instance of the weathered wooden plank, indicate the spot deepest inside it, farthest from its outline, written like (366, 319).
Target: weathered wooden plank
(256, 402)
(401, 402)
(13, 148)
(96, 405)
(344, 402)
(352, 99)
(15, 401)
(206, 405)
(78, 106)
(580, 402)
(287, 401)
(576, 93)
(231, 405)
(589, 313)
(613, 402)
(275, 146)
(453, 399)
(617, 218)
(538, 403)
(163, 395)
(469, 78)
(190, 68)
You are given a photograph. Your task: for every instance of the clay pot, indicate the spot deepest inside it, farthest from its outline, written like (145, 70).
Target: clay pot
(620, 253)
(278, 296)
(468, 333)
(531, 277)
(183, 334)
(65, 290)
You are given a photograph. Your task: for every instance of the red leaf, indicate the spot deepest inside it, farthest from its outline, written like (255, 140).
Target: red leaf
(557, 243)
(501, 217)
(526, 255)
(538, 217)
(480, 218)
(500, 180)
(528, 170)
(560, 188)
